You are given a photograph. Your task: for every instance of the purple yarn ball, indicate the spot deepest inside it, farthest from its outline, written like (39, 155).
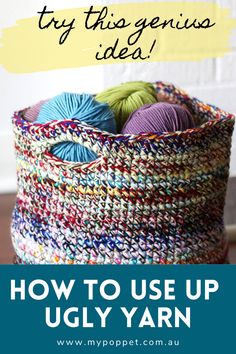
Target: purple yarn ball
(32, 113)
(158, 117)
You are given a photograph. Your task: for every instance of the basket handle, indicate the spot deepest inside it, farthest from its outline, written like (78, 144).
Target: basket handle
(44, 136)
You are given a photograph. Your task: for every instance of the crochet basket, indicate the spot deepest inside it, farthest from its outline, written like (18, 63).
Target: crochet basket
(147, 199)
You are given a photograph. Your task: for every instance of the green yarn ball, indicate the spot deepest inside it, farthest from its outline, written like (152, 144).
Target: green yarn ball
(125, 98)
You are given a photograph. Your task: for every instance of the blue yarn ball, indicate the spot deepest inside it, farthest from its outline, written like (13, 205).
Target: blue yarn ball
(84, 108)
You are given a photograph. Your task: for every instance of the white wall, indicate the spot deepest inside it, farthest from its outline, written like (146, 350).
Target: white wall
(212, 80)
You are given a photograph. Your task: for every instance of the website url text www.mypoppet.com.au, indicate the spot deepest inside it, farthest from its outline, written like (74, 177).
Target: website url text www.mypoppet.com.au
(102, 343)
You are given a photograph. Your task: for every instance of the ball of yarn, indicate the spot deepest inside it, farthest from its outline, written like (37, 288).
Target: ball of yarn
(84, 108)
(126, 98)
(32, 113)
(159, 117)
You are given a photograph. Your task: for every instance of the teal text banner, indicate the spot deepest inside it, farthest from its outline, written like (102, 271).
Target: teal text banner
(118, 309)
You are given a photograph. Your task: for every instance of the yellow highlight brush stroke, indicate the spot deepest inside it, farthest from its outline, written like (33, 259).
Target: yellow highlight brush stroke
(26, 49)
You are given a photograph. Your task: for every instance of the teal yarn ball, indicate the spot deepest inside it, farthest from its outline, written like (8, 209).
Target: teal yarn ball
(125, 98)
(84, 108)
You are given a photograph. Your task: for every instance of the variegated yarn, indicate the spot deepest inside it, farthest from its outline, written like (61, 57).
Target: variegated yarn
(148, 199)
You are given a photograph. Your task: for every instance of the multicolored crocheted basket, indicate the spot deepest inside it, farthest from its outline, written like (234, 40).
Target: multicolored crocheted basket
(147, 199)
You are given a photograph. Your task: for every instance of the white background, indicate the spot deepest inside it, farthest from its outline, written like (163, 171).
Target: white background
(213, 80)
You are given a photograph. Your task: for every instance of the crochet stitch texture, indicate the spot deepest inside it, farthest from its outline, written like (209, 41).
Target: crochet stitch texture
(147, 199)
